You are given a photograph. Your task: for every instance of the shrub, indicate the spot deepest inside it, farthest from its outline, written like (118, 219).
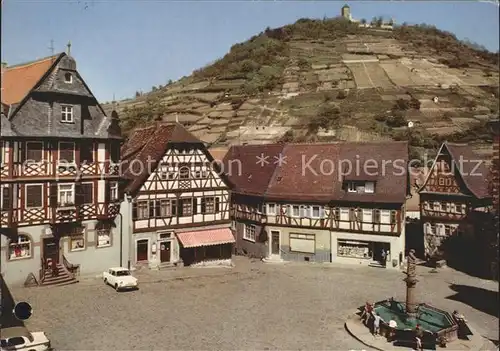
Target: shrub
(397, 119)
(341, 95)
(402, 105)
(414, 103)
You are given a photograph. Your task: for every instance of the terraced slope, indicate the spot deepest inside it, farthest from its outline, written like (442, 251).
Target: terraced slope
(332, 80)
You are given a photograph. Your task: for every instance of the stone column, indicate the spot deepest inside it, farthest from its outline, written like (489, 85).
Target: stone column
(411, 281)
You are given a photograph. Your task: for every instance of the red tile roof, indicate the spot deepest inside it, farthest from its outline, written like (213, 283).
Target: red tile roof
(315, 172)
(206, 237)
(18, 80)
(145, 149)
(474, 177)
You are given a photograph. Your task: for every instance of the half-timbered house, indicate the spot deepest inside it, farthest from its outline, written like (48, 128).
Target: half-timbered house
(453, 196)
(309, 202)
(176, 198)
(59, 158)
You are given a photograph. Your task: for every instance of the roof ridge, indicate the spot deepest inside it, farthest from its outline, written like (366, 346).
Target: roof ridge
(29, 63)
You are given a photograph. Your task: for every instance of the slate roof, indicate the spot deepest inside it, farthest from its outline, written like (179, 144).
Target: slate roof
(476, 179)
(28, 115)
(18, 80)
(306, 173)
(145, 148)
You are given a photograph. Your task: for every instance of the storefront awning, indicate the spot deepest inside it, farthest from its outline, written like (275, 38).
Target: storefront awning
(206, 237)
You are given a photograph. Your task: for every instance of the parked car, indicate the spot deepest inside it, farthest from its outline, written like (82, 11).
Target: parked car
(20, 338)
(120, 279)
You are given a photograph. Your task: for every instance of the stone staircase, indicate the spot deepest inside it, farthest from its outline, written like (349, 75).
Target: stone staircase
(63, 277)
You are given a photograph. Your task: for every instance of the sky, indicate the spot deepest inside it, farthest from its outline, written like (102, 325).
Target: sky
(124, 46)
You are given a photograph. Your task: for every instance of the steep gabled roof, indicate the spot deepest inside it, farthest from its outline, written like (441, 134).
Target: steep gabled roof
(145, 149)
(316, 172)
(469, 166)
(19, 80)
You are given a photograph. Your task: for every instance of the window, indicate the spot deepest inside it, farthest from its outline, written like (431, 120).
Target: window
(186, 207)
(295, 211)
(5, 198)
(444, 206)
(271, 209)
(113, 191)
(164, 173)
(336, 213)
(208, 205)
(431, 228)
(87, 190)
(369, 187)
(20, 248)
(249, 233)
(34, 151)
(430, 205)
(34, 196)
(359, 214)
(153, 209)
(103, 234)
(67, 114)
(68, 78)
(87, 153)
(351, 187)
(393, 217)
(2, 148)
(305, 243)
(315, 211)
(66, 195)
(142, 210)
(356, 249)
(447, 230)
(77, 242)
(66, 152)
(184, 173)
(376, 216)
(458, 208)
(166, 208)
(352, 215)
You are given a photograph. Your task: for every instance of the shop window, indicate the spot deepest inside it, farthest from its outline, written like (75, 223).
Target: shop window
(354, 249)
(20, 248)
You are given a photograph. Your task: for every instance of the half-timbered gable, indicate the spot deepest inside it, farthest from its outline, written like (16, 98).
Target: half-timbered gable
(59, 166)
(308, 194)
(174, 184)
(455, 186)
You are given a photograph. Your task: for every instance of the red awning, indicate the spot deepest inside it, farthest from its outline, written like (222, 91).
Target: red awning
(206, 237)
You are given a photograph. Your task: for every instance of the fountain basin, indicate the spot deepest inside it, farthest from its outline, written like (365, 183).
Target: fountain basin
(433, 320)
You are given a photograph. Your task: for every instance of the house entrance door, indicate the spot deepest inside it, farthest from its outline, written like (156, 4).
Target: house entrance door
(275, 242)
(142, 250)
(165, 251)
(51, 249)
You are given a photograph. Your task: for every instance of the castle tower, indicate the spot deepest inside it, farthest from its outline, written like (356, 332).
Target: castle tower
(346, 12)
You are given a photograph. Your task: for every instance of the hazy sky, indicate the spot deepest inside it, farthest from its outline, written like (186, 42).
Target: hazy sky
(122, 46)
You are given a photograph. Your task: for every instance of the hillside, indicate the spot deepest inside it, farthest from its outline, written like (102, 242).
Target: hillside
(333, 80)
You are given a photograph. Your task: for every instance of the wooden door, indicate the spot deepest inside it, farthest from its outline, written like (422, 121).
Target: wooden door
(275, 243)
(51, 249)
(165, 250)
(142, 250)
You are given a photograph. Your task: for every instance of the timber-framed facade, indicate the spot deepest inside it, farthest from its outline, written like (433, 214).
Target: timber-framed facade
(59, 174)
(297, 207)
(176, 198)
(454, 197)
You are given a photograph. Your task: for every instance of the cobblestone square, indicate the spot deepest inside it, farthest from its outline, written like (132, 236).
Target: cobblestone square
(253, 306)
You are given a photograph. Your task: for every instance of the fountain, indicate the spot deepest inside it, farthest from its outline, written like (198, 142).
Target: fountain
(435, 322)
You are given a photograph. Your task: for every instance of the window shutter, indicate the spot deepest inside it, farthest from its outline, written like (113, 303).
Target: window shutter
(78, 194)
(289, 210)
(134, 210)
(107, 192)
(6, 199)
(173, 208)
(53, 195)
(179, 207)
(157, 208)
(152, 209)
(202, 205)
(195, 205)
(321, 212)
(217, 204)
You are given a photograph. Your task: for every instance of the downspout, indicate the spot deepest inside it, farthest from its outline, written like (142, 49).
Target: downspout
(121, 238)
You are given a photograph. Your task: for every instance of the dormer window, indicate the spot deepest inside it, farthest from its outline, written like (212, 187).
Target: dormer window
(68, 78)
(360, 187)
(67, 114)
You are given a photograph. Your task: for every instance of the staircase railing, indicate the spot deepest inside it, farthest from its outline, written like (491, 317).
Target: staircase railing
(73, 269)
(41, 273)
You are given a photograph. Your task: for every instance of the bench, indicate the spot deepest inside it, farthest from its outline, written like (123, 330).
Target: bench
(407, 338)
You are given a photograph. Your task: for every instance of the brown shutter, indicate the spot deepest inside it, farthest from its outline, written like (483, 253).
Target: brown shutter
(134, 210)
(152, 209)
(107, 192)
(217, 205)
(6, 199)
(203, 207)
(157, 208)
(78, 194)
(53, 195)
(179, 207)
(173, 207)
(195, 205)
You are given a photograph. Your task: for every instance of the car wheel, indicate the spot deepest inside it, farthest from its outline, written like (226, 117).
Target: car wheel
(116, 287)
(106, 281)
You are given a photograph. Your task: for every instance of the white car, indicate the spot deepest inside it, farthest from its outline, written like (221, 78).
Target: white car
(120, 279)
(20, 338)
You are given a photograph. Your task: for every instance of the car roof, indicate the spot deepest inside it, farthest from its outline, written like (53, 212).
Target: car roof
(12, 332)
(119, 269)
